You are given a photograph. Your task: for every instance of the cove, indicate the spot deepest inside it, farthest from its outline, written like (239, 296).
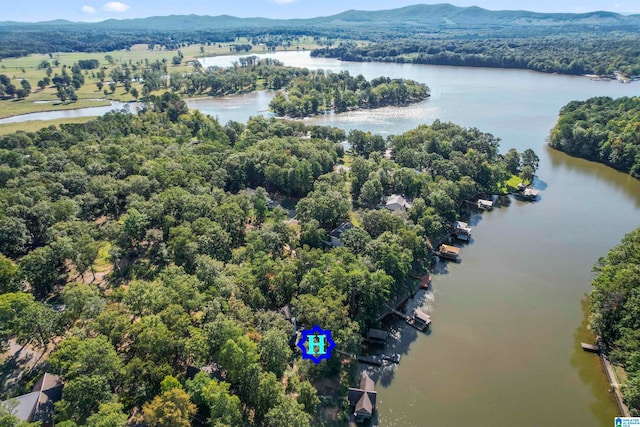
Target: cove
(508, 320)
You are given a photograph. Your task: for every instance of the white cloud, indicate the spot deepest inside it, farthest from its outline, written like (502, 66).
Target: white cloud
(88, 10)
(116, 6)
(282, 1)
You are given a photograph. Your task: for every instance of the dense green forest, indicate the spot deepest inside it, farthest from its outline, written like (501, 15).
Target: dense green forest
(601, 129)
(304, 92)
(615, 308)
(578, 53)
(144, 228)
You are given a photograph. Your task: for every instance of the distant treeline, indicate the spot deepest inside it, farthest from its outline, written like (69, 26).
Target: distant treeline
(579, 53)
(306, 92)
(16, 43)
(601, 129)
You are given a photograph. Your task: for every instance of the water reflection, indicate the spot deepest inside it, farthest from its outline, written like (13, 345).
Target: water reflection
(615, 181)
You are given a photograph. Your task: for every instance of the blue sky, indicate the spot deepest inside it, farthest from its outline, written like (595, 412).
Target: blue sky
(97, 10)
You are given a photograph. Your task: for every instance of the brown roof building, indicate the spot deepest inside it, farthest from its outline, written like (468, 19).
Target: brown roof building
(37, 406)
(363, 399)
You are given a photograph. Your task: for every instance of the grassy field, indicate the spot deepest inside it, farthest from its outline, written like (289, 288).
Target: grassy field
(16, 107)
(35, 125)
(510, 185)
(89, 94)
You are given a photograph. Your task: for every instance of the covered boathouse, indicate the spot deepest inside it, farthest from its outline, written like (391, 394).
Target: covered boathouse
(363, 399)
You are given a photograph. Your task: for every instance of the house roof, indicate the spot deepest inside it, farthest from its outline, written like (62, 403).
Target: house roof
(366, 383)
(366, 404)
(341, 229)
(37, 406)
(377, 334)
(26, 405)
(50, 387)
(354, 395)
(450, 249)
(460, 224)
(364, 398)
(531, 192)
(396, 199)
(422, 316)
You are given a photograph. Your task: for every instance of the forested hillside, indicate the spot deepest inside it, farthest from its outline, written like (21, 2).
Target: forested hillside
(601, 129)
(157, 234)
(574, 53)
(615, 308)
(594, 42)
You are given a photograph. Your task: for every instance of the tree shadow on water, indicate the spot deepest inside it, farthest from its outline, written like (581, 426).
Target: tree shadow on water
(539, 184)
(588, 365)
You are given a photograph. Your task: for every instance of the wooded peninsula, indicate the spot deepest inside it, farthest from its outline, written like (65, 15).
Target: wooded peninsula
(602, 129)
(615, 311)
(157, 233)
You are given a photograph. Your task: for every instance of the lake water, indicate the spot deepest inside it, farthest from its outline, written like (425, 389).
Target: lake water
(508, 320)
(69, 114)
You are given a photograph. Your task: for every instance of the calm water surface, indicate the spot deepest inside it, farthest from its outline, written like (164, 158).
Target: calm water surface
(508, 320)
(67, 114)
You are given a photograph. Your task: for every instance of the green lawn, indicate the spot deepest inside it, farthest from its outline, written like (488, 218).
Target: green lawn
(89, 95)
(510, 185)
(35, 125)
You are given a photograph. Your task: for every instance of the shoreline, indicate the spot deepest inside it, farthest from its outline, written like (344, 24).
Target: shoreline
(101, 103)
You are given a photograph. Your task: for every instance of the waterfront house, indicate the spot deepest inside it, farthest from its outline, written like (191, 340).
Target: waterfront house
(530, 194)
(397, 203)
(450, 252)
(335, 234)
(485, 204)
(377, 336)
(461, 230)
(421, 319)
(363, 399)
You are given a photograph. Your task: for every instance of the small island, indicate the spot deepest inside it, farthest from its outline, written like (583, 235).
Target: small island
(312, 93)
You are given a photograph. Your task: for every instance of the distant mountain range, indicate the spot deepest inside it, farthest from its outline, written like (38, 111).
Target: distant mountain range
(419, 16)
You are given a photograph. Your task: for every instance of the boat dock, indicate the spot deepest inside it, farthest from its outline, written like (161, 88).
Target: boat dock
(379, 360)
(418, 320)
(370, 360)
(393, 310)
(590, 348)
(376, 336)
(448, 252)
(611, 374)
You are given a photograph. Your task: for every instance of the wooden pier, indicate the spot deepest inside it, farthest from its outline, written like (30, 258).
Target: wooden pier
(590, 348)
(370, 360)
(419, 320)
(611, 374)
(391, 310)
